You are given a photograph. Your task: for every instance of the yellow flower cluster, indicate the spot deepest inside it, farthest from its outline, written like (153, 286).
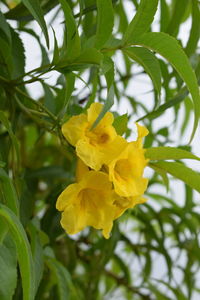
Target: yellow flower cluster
(109, 173)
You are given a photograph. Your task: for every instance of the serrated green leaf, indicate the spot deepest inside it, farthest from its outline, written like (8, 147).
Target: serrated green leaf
(169, 48)
(149, 62)
(105, 22)
(73, 46)
(5, 27)
(141, 21)
(181, 172)
(35, 9)
(23, 252)
(163, 153)
(18, 55)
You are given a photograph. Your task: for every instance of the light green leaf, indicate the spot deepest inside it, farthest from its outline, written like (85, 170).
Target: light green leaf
(177, 16)
(181, 172)
(105, 22)
(109, 75)
(163, 153)
(35, 9)
(164, 15)
(149, 62)
(73, 46)
(8, 269)
(141, 21)
(9, 192)
(23, 252)
(195, 29)
(169, 48)
(170, 103)
(120, 124)
(162, 173)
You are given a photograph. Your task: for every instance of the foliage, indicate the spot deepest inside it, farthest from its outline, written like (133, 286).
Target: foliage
(106, 46)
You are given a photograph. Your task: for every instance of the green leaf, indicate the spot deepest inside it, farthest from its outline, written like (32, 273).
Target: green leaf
(170, 103)
(169, 48)
(105, 22)
(162, 173)
(141, 21)
(149, 62)
(164, 15)
(163, 153)
(8, 269)
(18, 55)
(66, 288)
(177, 16)
(6, 58)
(73, 46)
(37, 251)
(15, 143)
(9, 192)
(109, 75)
(120, 124)
(23, 252)
(195, 29)
(4, 27)
(56, 50)
(35, 9)
(181, 172)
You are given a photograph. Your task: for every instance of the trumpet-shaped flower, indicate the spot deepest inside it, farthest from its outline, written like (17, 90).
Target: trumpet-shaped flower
(87, 203)
(96, 146)
(126, 171)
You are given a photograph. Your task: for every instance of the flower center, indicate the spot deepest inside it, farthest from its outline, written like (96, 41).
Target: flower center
(123, 169)
(89, 198)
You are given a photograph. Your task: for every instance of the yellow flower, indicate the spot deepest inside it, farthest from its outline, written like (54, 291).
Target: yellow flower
(87, 203)
(123, 203)
(126, 170)
(96, 146)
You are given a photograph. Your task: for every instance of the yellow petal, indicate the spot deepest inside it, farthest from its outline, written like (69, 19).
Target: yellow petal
(142, 132)
(94, 111)
(74, 129)
(81, 169)
(67, 196)
(89, 154)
